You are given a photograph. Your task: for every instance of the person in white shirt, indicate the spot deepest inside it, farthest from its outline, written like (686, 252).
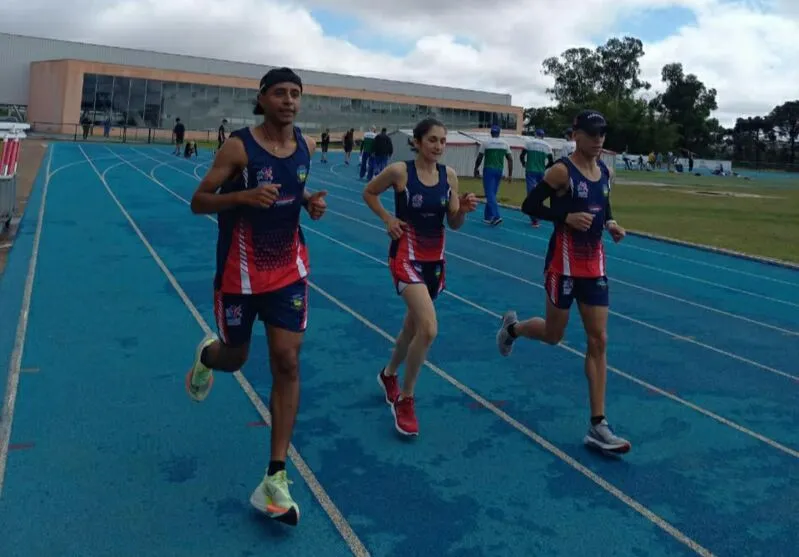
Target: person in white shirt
(535, 158)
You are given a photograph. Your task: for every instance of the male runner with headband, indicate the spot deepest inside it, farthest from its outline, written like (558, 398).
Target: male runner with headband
(579, 190)
(257, 186)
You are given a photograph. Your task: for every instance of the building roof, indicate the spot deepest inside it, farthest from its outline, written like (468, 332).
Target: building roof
(17, 52)
(453, 137)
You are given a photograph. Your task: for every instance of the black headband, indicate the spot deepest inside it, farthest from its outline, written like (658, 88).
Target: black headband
(280, 75)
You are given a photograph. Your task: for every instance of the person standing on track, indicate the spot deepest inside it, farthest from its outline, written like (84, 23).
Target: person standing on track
(325, 144)
(367, 154)
(257, 186)
(534, 158)
(348, 142)
(383, 149)
(579, 190)
(221, 134)
(178, 135)
(495, 151)
(425, 192)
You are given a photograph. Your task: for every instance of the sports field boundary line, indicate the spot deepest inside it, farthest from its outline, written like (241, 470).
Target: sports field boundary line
(635, 286)
(646, 385)
(337, 518)
(541, 441)
(773, 261)
(15, 361)
(662, 239)
(685, 243)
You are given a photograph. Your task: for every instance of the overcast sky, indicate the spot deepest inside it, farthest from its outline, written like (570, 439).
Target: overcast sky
(746, 49)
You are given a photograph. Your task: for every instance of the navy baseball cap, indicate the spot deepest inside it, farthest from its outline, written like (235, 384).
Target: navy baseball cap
(591, 122)
(495, 129)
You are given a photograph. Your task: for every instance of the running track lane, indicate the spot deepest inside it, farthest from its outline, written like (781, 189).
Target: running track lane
(469, 467)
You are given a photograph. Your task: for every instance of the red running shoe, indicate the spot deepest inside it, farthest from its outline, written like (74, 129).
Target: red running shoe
(405, 416)
(390, 386)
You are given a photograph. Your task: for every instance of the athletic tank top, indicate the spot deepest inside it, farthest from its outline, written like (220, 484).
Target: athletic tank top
(262, 250)
(423, 208)
(572, 252)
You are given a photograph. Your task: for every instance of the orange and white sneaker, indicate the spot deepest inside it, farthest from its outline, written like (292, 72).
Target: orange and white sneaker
(272, 498)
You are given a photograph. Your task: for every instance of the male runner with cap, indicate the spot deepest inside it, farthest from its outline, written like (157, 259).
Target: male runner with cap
(257, 186)
(495, 151)
(534, 158)
(579, 190)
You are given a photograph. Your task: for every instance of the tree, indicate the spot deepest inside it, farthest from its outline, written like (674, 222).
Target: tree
(785, 119)
(576, 74)
(612, 70)
(620, 77)
(687, 102)
(547, 118)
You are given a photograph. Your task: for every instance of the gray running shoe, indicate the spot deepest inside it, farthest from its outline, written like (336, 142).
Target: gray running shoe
(601, 436)
(504, 340)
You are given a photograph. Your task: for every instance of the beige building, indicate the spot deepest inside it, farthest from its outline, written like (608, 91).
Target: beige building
(54, 85)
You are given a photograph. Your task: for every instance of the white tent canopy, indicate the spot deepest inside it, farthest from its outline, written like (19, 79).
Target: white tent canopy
(463, 147)
(460, 154)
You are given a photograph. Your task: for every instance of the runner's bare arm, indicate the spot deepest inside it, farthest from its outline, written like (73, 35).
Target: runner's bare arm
(394, 175)
(229, 161)
(459, 205)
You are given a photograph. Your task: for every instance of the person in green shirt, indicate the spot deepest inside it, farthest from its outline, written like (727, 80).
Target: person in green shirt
(495, 151)
(367, 146)
(536, 157)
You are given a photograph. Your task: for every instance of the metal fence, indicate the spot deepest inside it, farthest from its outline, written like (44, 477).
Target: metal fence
(133, 134)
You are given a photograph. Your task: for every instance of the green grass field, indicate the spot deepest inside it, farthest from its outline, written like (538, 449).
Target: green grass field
(766, 226)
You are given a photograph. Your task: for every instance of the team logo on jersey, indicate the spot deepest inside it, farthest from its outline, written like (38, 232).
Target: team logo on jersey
(443, 201)
(605, 190)
(416, 200)
(582, 190)
(568, 286)
(264, 175)
(233, 315)
(298, 302)
(302, 173)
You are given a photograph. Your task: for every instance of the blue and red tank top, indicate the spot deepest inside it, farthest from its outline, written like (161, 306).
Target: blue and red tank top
(572, 252)
(423, 208)
(262, 250)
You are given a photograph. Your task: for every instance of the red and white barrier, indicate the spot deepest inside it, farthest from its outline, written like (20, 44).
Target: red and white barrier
(9, 160)
(12, 135)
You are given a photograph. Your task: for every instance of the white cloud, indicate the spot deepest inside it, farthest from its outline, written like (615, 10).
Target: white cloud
(742, 48)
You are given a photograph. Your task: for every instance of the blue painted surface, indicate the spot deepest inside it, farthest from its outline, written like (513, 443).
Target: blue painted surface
(112, 458)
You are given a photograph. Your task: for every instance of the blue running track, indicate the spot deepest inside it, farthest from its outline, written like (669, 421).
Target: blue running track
(109, 288)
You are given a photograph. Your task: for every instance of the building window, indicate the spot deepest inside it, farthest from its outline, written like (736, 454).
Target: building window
(134, 102)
